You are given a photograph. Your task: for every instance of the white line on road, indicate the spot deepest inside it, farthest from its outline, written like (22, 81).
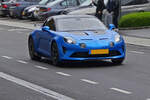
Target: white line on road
(148, 99)
(64, 74)
(21, 61)
(89, 81)
(138, 52)
(35, 87)
(7, 57)
(40, 67)
(120, 90)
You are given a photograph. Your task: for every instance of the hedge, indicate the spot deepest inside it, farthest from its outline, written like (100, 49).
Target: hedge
(139, 19)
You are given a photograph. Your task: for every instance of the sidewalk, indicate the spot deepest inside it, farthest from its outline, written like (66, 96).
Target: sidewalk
(139, 33)
(136, 37)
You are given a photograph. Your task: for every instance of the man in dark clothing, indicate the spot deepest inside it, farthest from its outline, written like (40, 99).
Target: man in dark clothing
(117, 11)
(113, 7)
(100, 7)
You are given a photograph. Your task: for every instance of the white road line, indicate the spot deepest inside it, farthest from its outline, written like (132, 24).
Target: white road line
(35, 87)
(64, 74)
(138, 52)
(120, 90)
(21, 61)
(7, 57)
(40, 67)
(89, 81)
(148, 99)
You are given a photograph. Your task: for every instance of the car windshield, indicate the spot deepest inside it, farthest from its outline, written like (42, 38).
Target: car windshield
(53, 3)
(42, 2)
(85, 2)
(79, 24)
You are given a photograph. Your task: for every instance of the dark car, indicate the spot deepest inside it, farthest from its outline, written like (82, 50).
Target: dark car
(4, 7)
(29, 11)
(16, 11)
(57, 7)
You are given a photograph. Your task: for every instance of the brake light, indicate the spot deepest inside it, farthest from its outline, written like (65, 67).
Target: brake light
(48, 9)
(4, 6)
(16, 4)
(45, 10)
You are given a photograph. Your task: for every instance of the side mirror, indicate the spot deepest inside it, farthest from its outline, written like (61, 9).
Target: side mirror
(45, 28)
(111, 27)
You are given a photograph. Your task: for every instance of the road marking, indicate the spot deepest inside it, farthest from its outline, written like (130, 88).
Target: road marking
(21, 61)
(7, 57)
(35, 87)
(148, 99)
(64, 74)
(10, 30)
(120, 90)
(40, 67)
(138, 52)
(89, 81)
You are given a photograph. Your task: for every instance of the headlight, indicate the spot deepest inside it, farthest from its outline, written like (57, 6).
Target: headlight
(117, 38)
(69, 40)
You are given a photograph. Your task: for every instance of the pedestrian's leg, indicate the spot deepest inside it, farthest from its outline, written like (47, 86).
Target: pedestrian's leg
(115, 21)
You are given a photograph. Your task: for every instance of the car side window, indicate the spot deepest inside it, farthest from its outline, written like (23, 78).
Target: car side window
(64, 3)
(51, 24)
(72, 3)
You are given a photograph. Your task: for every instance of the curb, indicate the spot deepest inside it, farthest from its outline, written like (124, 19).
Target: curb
(135, 28)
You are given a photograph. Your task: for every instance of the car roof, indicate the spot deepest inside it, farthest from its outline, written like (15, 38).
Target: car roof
(71, 16)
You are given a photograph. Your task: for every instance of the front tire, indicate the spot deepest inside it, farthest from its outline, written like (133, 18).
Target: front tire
(117, 61)
(55, 54)
(32, 53)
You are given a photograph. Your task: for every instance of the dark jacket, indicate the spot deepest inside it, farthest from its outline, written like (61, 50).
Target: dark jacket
(100, 6)
(113, 6)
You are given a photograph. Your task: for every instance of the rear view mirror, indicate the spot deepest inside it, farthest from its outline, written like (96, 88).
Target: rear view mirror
(45, 28)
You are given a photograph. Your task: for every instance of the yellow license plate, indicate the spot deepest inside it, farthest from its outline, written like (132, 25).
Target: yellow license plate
(100, 51)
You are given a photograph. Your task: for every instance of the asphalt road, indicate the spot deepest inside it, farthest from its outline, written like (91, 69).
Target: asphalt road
(24, 79)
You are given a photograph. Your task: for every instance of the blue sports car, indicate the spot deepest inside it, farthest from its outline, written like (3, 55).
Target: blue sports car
(76, 38)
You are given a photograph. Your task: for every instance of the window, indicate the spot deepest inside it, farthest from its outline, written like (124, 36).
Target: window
(64, 3)
(51, 24)
(72, 2)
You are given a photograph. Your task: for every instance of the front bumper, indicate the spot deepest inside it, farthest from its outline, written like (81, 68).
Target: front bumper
(80, 54)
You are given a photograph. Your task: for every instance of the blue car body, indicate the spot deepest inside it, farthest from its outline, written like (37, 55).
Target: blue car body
(44, 39)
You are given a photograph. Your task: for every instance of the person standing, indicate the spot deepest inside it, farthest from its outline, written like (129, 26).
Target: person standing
(117, 11)
(100, 6)
(113, 8)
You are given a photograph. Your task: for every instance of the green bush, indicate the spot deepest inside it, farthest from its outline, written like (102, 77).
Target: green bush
(135, 20)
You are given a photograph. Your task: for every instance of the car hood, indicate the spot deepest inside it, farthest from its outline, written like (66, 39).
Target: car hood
(90, 36)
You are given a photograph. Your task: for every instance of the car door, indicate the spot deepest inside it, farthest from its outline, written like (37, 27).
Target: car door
(45, 38)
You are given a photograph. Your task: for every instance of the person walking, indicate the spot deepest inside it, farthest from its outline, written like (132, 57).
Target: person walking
(100, 6)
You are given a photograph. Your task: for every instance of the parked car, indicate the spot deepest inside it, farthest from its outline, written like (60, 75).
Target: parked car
(57, 7)
(127, 6)
(16, 11)
(76, 38)
(4, 7)
(29, 11)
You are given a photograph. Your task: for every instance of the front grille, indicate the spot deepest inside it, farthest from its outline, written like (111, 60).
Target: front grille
(87, 55)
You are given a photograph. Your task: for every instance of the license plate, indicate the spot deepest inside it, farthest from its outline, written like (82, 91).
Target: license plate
(99, 51)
